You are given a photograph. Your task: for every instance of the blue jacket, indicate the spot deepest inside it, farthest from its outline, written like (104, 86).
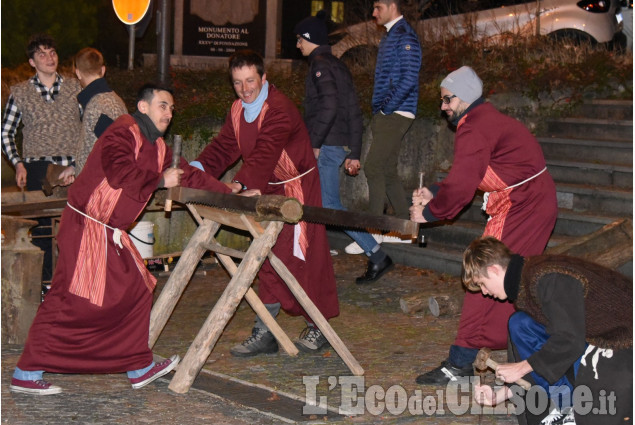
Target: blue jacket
(397, 71)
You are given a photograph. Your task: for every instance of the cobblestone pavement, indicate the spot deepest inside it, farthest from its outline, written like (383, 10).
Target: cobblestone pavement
(392, 347)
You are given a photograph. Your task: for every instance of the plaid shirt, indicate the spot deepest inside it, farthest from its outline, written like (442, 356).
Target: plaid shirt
(11, 121)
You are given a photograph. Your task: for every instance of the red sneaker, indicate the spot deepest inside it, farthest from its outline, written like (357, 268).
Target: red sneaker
(159, 369)
(38, 387)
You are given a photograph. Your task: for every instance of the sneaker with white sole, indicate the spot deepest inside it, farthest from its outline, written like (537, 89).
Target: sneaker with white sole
(311, 339)
(553, 418)
(570, 418)
(37, 387)
(157, 371)
(354, 248)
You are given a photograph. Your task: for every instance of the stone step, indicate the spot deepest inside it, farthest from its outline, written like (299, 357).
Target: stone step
(569, 222)
(575, 224)
(591, 128)
(471, 222)
(440, 257)
(600, 200)
(589, 173)
(461, 233)
(607, 109)
(594, 199)
(610, 152)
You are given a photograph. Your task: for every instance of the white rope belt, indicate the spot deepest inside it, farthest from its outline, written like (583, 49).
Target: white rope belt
(294, 178)
(116, 236)
(486, 195)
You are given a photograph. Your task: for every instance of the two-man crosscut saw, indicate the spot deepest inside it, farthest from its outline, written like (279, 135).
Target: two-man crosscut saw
(327, 216)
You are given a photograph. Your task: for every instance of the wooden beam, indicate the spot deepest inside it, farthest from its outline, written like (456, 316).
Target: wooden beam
(220, 249)
(224, 309)
(180, 277)
(256, 304)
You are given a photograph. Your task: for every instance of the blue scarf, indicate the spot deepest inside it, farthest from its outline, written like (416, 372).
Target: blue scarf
(252, 110)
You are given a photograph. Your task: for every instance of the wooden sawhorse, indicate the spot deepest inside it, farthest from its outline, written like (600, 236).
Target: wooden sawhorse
(209, 220)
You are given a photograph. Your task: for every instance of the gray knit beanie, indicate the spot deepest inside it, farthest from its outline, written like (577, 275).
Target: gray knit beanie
(464, 83)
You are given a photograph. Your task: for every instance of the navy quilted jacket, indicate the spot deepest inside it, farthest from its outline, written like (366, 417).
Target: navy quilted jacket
(397, 71)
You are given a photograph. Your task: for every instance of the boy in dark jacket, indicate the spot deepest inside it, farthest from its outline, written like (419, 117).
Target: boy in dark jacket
(572, 333)
(334, 120)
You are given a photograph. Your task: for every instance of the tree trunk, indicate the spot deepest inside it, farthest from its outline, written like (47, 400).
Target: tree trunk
(611, 246)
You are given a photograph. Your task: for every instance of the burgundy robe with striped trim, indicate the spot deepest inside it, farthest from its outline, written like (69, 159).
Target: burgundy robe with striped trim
(279, 132)
(72, 331)
(493, 151)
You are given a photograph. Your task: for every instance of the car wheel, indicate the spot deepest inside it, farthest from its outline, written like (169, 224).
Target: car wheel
(572, 38)
(618, 43)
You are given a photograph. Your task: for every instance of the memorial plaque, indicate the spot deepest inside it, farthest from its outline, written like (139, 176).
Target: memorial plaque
(221, 27)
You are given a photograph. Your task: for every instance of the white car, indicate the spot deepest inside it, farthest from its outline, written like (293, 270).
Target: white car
(598, 21)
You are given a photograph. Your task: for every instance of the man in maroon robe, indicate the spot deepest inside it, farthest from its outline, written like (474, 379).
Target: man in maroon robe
(498, 155)
(96, 317)
(266, 130)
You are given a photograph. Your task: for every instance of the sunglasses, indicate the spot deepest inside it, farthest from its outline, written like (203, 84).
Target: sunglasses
(447, 99)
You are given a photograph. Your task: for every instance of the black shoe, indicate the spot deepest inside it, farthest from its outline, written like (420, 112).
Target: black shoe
(443, 374)
(375, 271)
(261, 341)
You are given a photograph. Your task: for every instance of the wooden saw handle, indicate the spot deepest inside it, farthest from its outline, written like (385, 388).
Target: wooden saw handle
(176, 159)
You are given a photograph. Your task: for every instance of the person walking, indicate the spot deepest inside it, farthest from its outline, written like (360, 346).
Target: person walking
(335, 124)
(394, 106)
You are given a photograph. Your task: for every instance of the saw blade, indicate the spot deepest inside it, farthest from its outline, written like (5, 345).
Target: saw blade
(326, 216)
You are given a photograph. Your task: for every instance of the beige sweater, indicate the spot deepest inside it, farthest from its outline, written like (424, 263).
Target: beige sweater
(50, 129)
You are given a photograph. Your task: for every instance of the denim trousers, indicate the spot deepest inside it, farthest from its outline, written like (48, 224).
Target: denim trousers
(36, 375)
(329, 162)
(528, 336)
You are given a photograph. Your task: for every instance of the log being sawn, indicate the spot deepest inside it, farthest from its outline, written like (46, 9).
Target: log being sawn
(271, 207)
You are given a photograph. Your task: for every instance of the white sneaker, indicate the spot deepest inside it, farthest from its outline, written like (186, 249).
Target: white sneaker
(570, 418)
(333, 252)
(552, 418)
(354, 248)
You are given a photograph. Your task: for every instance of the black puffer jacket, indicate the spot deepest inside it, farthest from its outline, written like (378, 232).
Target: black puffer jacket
(331, 107)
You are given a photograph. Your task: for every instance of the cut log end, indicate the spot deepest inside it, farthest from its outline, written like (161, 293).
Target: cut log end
(444, 305)
(412, 304)
(278, 208)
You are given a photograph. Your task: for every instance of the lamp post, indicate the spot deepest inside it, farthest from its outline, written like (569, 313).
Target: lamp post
(163, 40)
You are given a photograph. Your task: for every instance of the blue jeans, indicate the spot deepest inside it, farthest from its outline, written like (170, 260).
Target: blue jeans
(528, 336)
(36, 375)
(329, 162)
